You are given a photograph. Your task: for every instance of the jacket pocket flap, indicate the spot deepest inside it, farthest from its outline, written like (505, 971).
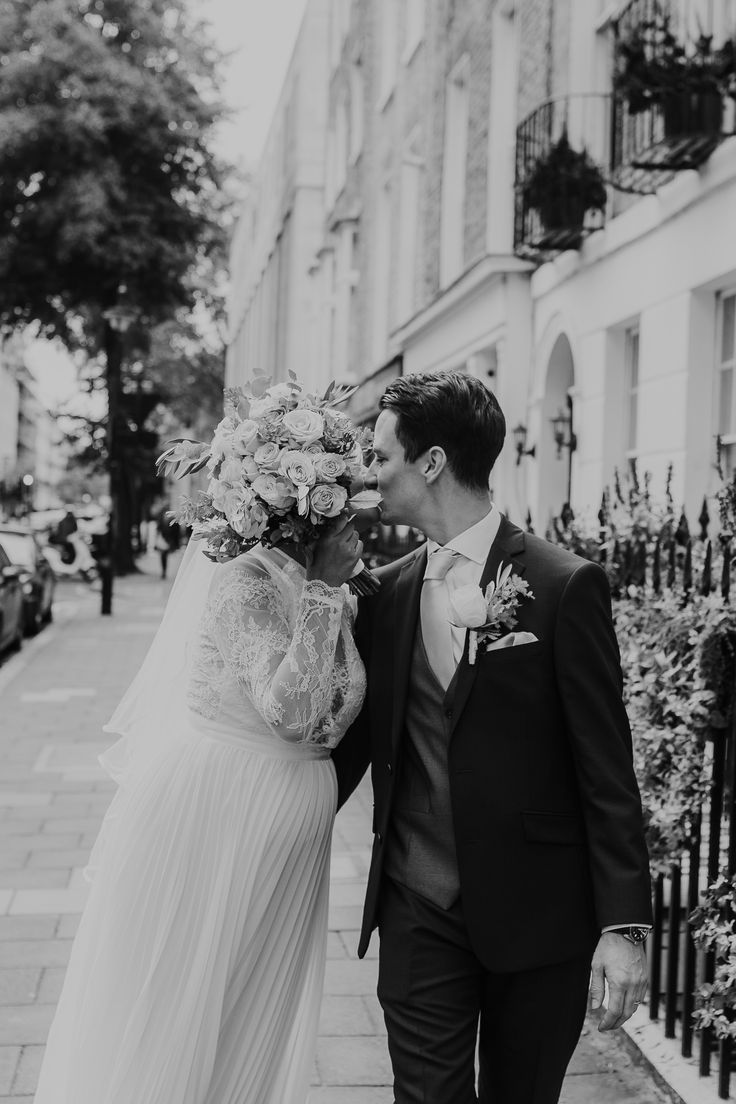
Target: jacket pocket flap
(565, 828)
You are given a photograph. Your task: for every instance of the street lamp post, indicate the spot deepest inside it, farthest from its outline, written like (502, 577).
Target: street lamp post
(565, 438)
(118, 320)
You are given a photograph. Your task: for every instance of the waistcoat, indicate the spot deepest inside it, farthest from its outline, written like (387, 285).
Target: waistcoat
(421, 840)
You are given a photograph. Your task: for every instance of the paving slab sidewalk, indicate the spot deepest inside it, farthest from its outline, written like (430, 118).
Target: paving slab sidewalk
(54, 698)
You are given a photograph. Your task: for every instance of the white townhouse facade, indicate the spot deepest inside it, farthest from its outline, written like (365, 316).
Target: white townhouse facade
(607, 332)
(271, 308)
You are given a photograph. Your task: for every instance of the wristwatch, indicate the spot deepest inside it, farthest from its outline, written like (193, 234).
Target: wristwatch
(634, 934)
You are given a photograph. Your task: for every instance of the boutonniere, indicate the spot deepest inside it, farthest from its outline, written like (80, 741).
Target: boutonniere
(489, 613)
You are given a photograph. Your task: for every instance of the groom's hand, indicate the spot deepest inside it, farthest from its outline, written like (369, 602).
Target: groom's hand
(624, 967)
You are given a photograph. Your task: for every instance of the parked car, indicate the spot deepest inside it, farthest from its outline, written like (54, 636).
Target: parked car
(11, 603)
(36, 576)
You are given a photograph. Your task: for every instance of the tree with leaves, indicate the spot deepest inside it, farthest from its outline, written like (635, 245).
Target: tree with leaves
(109, 188)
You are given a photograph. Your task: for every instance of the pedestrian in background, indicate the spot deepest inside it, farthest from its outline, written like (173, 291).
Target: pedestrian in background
(168, 537)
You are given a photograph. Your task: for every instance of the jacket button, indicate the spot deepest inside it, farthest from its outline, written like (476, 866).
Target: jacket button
(379, 837)
(448, 714)
(389, 768)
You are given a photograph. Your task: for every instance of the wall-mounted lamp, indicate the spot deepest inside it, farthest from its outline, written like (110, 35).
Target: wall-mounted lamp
(520, 443)
(562, 431)
(565, 438)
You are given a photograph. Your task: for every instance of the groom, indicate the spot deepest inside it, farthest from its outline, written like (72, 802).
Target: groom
(508, 849)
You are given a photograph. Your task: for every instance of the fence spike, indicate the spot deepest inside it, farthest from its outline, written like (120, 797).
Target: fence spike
(704, 520)
(529, 526)
(726, 570)
(687, 571)
(657, 568)
(682, 533)
(705, 586)
(639, 564)
(671, 566)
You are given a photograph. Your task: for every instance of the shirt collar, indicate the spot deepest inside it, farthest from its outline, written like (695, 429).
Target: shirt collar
(473, 543)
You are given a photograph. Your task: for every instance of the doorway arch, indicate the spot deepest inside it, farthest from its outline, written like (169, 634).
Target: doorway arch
(554, 463)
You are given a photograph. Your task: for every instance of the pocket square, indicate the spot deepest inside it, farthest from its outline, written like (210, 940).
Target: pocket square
(512, 640)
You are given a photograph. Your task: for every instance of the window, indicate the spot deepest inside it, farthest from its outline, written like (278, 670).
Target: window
(408, 225)
(382, 275)
(331, 173)
(631, 367)
(705, 17)
(726, 364)
(415, 19)
(452, 214)
(341, 144)
(356, 111)
(389, 50)
(339, 26)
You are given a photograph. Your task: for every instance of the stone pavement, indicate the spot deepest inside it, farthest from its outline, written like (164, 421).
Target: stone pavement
(54, 698)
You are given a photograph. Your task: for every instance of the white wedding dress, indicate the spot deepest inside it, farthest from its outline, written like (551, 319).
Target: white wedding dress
(197, 970)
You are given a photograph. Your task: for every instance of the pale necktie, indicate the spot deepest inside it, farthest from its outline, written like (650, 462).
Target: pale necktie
(435, 615)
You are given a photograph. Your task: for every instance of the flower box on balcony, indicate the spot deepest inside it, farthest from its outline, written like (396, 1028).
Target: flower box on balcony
(562, 185)
(686, 83)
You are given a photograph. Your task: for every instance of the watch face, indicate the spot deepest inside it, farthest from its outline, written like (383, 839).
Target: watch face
(637, 935)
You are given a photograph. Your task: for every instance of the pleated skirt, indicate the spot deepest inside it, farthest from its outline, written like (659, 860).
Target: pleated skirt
(196, 974)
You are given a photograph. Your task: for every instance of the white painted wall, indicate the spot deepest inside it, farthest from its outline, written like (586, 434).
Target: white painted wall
(660, 263)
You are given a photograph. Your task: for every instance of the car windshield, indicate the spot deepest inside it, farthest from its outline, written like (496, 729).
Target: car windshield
(19, 547)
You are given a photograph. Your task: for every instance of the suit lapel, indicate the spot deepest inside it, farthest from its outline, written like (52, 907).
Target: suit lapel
(508, 547)
(406, 615)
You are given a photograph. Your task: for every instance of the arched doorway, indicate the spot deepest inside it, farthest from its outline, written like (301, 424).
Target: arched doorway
(555, 462)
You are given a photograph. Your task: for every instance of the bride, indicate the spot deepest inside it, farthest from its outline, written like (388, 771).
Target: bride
(197, 970)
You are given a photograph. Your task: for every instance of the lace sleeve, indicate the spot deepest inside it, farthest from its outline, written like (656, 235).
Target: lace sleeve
(288, 673)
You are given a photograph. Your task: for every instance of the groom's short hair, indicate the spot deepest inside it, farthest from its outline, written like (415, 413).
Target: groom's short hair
(453, 410)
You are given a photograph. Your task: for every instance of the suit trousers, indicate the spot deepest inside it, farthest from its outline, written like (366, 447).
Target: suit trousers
(439, 1000)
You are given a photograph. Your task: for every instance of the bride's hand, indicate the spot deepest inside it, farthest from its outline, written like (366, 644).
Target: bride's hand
(336, 553)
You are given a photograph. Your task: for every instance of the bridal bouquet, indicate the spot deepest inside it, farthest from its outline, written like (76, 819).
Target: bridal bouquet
(281, 464)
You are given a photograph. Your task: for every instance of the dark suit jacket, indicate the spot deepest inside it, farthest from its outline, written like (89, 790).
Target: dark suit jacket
(546, 809)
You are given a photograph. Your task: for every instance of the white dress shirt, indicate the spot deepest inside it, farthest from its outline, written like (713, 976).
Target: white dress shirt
(443, 641)
(472, 547)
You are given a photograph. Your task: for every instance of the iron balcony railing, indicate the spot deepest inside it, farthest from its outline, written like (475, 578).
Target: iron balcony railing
(673, 96)
(563, 153)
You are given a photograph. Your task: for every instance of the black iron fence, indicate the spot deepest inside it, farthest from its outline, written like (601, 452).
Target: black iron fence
(642, 564)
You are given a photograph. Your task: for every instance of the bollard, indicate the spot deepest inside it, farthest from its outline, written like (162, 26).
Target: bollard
(102, 552)
(104, 565)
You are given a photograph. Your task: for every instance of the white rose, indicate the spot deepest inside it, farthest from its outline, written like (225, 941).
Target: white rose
(298, 467)
(268, 456)
(329, 466)
(222, 443)
(218, 491)
(252, 521)
(235, 500)
(305, 426)
(275, 491)
(468, 607)
(251, 470)
(244, 437)
(278, 397)
(327, 499)
(232, 470)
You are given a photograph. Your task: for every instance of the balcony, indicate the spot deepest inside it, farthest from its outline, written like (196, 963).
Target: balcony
(562, 159)
(674, 97)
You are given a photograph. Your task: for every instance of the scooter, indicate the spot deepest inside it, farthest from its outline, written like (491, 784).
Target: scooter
(71, 558)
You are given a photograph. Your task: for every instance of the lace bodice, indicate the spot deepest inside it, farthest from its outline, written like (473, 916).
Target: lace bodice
(276, 651)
